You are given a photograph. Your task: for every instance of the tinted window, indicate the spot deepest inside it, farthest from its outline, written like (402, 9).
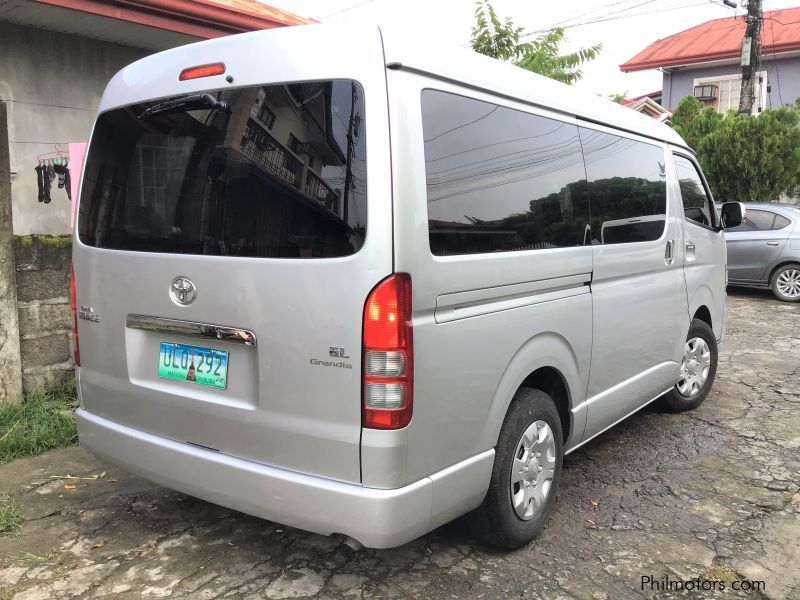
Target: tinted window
(627, 188)
(761, 220)
(696, 203)
(199, 177)
(500, 179)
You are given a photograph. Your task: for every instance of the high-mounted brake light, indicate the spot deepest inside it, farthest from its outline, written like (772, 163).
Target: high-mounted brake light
(388, 349)
(202, 71)
(73, 304)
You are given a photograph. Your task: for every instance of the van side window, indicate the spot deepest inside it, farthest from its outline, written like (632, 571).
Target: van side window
(696, 203)
(499, 179)
(627, 188)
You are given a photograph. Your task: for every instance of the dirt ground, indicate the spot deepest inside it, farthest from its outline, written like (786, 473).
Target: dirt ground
(712, 494)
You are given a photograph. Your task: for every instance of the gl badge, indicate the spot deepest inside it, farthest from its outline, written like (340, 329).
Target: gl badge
(182, 291)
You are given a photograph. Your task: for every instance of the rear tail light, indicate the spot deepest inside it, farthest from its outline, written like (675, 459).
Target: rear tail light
(73, 304)
(388, 351)
(202, 71)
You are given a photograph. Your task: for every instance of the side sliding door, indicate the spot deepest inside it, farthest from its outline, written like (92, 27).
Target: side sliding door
(638, 291)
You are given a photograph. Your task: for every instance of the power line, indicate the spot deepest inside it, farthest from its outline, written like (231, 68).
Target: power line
(346, 9)
(774, 59)
(462, 125)
(618, 17)
(592, 10)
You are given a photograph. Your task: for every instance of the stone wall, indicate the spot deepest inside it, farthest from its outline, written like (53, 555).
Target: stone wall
(45, 317)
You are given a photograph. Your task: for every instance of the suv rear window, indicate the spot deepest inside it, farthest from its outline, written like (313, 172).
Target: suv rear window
(273, 171)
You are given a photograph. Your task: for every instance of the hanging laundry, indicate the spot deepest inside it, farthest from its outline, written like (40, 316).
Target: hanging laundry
(40, 181)
(64, 180)
(49, 176)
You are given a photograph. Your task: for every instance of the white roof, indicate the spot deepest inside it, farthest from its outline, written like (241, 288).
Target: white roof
(348, 49)
(487, 74)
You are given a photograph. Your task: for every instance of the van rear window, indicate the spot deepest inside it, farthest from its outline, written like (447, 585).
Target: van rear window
(274, 171)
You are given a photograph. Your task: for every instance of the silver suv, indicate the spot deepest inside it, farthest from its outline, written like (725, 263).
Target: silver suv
(363, 290)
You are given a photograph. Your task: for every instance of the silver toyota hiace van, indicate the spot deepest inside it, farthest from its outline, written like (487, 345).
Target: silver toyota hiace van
(364, 290)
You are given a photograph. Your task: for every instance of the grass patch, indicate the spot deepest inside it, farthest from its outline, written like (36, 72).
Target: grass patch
(59, 562)
(10, 519)
(7, 593)
(721, 573)
(44, 420)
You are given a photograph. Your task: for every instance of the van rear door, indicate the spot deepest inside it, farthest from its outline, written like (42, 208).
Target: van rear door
(229, 231)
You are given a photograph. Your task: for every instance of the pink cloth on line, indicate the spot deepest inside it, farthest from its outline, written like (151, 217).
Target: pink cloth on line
(77, 152)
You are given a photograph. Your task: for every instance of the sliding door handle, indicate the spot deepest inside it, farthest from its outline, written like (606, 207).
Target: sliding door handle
(690, 248)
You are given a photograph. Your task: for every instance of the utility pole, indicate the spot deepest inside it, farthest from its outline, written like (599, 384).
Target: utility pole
(751, 53)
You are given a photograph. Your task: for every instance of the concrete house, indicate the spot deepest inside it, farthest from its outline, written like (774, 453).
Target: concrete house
(649, 105)
(704, 61)
(56, 57)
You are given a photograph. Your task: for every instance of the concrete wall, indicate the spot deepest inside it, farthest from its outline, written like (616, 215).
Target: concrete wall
(783, 76)
(10, 369)
(45, 316)
(52, 83)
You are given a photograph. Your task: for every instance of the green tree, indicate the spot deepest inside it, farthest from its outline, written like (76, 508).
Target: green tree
(501, 39)
(744, 157)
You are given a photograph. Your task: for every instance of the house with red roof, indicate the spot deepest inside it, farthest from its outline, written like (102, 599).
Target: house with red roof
(56, 57)
(704, 61)
(649, 105)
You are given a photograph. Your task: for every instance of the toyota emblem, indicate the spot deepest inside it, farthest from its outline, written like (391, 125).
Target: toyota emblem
(182, 291)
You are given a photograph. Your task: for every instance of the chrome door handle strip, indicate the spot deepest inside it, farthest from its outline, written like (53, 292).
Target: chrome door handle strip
(669, 255)
(192, 328)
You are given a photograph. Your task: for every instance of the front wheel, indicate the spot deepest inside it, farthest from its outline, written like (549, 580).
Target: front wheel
(527, 469)
(698, 369)
(785, 283)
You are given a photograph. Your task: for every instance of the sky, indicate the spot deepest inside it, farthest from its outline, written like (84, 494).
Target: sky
(624, 27)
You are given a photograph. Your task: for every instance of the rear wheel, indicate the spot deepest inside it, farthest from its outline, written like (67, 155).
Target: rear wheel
(785, 283)
(527, 469)
(698, 369)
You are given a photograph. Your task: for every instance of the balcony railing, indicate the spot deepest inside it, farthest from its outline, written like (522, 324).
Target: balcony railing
(262, 147)
(318, 190)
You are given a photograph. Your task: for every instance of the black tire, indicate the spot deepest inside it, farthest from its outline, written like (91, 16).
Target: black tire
(773, 283)
(674, 400)
(495, 522)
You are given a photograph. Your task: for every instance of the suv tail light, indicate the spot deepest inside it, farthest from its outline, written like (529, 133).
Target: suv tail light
(388, 351)
(73, 304)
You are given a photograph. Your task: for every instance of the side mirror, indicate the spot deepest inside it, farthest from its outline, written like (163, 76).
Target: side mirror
(733, 214)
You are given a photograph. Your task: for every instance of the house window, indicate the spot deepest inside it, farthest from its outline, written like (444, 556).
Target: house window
(266, 116)
(297, 146)
(728, 90)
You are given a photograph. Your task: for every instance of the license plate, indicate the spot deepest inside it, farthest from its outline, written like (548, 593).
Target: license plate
(195, 364)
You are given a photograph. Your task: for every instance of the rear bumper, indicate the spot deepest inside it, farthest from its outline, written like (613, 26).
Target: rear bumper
(376, 518)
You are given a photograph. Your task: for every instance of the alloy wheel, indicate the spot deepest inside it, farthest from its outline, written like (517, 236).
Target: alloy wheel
(788, 283)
